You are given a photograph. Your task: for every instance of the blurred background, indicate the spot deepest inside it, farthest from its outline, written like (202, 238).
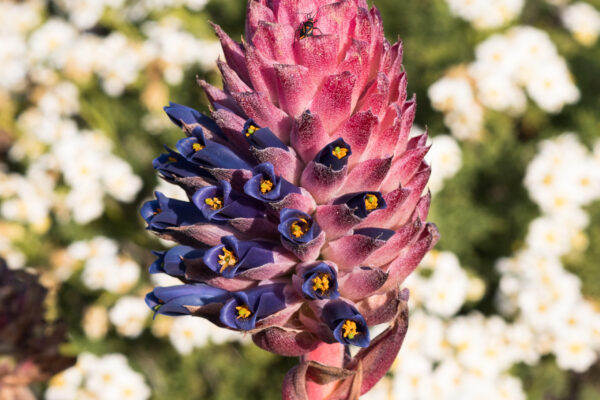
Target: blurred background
(506, 307)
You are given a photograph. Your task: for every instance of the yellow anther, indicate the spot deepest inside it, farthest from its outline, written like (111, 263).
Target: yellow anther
(171, 159)
(158, 211)
(251, 129)
(321, 282)
(370, 202)
(298, 230)
(215, 203)
(339, 152)
(349, 329)
(266, 185)
(227, 259)
(243, 312)
(197, 147)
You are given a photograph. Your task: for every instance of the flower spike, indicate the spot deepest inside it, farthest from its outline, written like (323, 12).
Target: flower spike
(306, 206)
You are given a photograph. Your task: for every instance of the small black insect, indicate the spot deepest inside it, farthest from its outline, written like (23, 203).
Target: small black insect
(308, 27)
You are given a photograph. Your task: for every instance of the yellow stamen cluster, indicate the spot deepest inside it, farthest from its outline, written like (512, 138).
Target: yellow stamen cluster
(227, 259)
(197, 147)
(370, 202)
(339, 152)
(158, 211)
(321, 282)
(171, 159)
(215, 203)
(266, 185)
(297, 230)
(349, 329)
(251, 130)
(243, 312)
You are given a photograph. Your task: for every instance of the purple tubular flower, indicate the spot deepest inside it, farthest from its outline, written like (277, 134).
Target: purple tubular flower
(209, 154)
(320, 282)
(266, 186)
(174, 165)
(306, 155)
(235, 256)
(346, 323)
(261, 138)
(296, 227)
(171, 262)
(246, 308)
(165, 213)
(362, 204)
(335, 155)
(183, 299)
(190, 120)
(220, 204)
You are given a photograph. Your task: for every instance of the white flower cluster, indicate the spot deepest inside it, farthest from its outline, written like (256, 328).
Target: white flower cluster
(523, 60)
(445, 356)
(55, 147)
(583, 21)
(59, 47)
(103, 267)
(108, 377)
(445, 158)
(486, 14)
(561, 179)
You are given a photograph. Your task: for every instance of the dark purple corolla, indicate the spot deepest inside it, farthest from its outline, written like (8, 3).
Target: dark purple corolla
(346, 323)
(268, 187)
(183, 299)
(246, 308)
(171, 262)
(320, 282)
(165, 213)
(220, 203)
(234, 256)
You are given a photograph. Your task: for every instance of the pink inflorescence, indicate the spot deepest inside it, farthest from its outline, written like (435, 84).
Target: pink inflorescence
(306, 208)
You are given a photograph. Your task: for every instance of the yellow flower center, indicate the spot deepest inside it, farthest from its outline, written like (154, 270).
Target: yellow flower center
(349, 329)
(321, 282)
(227, 259)
(251, 129)
(297, 230)
(197, 147)
(371, 202)
(215, 203)
(243, 312)
(266, 185)
(339, 152)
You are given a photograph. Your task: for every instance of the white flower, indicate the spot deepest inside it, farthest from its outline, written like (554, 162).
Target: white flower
(120, 181)
(412, 377)
(574, 352)
(447, 287)
(50, 43)
(445, 158)
(188, 332)
(583, 21)
(548, 235)
(85, 203)
(129, 316)
(61, 99)
(64, 385)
